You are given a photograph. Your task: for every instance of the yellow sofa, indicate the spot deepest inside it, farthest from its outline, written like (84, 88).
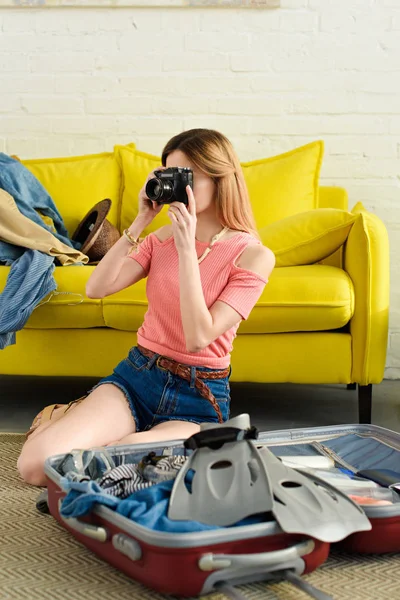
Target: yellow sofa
(324, 323)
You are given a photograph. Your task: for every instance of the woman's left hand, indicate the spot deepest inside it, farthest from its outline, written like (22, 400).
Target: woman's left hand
(184, 222)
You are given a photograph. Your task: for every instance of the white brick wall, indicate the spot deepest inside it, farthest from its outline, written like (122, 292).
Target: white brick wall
(79, 80)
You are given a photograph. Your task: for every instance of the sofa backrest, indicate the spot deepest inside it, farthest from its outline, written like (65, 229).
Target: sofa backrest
(77, 183)
(333, 197)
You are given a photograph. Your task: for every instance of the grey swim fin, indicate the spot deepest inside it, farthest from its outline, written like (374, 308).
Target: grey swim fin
(304, 503)
(221, 486)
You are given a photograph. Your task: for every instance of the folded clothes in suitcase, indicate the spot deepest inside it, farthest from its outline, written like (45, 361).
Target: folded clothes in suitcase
(195, 532)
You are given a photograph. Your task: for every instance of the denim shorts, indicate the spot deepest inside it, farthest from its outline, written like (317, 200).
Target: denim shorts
(156, 395)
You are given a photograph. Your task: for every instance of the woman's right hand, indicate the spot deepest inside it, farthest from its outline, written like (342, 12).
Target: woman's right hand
(148, 209)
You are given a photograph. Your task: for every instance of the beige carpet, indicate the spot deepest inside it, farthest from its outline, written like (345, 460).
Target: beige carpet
(40, 560)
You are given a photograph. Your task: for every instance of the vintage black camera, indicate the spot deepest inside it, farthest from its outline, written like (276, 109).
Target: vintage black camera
(169, 185)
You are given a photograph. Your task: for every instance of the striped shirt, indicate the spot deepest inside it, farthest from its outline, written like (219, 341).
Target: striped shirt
(162, 330)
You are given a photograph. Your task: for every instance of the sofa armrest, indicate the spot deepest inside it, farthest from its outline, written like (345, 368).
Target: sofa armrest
(366, 260)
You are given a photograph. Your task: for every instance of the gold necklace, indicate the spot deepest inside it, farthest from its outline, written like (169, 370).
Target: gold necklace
(214, 239)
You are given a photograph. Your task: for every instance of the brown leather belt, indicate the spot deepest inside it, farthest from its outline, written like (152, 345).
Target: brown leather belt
(184, 371)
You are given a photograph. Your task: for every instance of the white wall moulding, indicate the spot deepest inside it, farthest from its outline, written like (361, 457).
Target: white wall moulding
(144, 3)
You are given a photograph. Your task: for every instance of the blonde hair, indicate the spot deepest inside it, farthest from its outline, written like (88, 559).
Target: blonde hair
(213, 154)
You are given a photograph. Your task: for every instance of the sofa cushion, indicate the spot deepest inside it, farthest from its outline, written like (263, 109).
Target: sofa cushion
(77, 183)
(74, 311)
(126, 309)
(308, 237)
(308, 298)
(135, 167)
(285, 184)
(279, 186)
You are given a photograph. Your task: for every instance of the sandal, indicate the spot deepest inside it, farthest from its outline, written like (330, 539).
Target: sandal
(47, 414)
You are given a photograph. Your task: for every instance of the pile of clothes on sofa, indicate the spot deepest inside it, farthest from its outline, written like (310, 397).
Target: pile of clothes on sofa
(33, 240)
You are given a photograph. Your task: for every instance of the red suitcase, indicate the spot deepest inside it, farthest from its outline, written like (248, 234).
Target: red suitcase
(189, 564)
(182, 564)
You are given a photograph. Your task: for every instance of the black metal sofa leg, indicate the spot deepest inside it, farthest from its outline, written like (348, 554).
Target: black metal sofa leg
(351, 386)
(365, 403)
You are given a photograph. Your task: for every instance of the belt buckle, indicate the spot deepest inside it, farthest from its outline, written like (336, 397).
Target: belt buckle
(158, 363)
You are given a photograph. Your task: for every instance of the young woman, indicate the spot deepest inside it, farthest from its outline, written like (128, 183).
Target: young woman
(205, 271)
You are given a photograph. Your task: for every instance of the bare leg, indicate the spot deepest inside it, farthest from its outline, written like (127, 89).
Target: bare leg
(169, 430)
(103, 416)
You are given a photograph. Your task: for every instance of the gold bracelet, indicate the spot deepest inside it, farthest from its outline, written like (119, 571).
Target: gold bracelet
(130, 239)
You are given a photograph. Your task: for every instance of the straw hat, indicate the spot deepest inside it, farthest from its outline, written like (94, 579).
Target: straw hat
(95, 233)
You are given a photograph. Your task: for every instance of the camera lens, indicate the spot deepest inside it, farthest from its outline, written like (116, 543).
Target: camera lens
(154, 189)
(159, 191)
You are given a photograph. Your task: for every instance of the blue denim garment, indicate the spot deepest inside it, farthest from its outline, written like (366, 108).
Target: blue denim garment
(24, 290)
(9, 253)
(148, 507)
(29, 281)
(30, 196)
(156, 395)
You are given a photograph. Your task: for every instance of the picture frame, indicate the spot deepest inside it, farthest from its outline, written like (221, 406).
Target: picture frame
(255, 4)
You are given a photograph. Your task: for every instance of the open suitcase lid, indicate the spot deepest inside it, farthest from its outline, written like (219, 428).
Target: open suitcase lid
(227, 478)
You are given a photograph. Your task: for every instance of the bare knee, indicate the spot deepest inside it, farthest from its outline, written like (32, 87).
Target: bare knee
(31, 467)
